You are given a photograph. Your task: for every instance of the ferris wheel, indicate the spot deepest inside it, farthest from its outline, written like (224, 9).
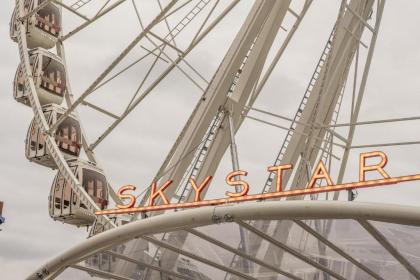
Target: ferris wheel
(57, 139)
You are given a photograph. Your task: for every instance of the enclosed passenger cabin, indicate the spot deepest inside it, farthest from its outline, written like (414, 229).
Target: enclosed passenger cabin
(68, 137)
(49, 75)
(43, 28)
(65, 205)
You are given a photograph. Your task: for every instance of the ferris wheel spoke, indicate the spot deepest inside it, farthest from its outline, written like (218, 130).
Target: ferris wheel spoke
(177, 30)
(195, 71)
(163, 75)
(145, 78)
(171, 30)
(176, 64)
(79, 4)
(261, 83)
(314, 125)
(92, 20)
(165, 43)
(153, 53)
(103, 7)
(176, 9)
(358, 99)
(71, 10)
(205, 20)
(99, 109)
(240, 90)
(89, 90)
(165, 19)
(124, 69)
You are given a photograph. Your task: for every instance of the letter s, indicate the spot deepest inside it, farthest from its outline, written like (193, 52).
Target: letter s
(123, 196)
(230, 180)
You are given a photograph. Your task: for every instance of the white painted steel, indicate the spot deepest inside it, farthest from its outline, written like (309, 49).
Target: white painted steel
(192, 218)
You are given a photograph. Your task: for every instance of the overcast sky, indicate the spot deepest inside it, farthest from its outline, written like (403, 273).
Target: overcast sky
(134, 151)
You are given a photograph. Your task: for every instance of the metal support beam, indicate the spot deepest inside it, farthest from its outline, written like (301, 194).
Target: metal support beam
(102, 76)
(165, 73)
(92, 20)
(279, 53)
(388, 246)
(168, 70)
(176, 9)
(99, 109)
(235, 166)
(102, 8)
(71, 10)
(153, 53)
(315, 126)
(233, 147)
(385, 145)
(268, 210)
(163, 41)
(355, 37)
(360, 18)
(337, 249)
(198, 258)
(358, 103)
(143, 263)
(100, 272)
(289, 250)
(371, 122)
(291, 129)
(242, 254)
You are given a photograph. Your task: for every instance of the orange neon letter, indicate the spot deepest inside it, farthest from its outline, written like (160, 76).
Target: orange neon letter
(199, 189)
(320, 173)
(279, 174)
(231, 182)
(378, 167)
(155, 193)
(123, 196)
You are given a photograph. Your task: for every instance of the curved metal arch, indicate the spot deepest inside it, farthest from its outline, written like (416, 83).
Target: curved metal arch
(272, 210)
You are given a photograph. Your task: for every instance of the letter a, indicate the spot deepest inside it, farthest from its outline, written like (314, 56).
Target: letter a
(320, 173)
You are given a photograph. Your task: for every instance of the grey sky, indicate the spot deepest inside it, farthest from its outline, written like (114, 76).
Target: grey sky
(134, 152)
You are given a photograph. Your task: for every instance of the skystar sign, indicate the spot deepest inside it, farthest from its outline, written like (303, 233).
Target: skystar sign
(234, 179)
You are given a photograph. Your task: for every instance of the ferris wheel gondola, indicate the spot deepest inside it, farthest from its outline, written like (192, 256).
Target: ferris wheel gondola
(49, 77)
(68, 137)
(43, 27)
(65, 205)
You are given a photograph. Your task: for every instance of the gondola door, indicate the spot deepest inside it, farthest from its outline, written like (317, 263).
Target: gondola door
(68, 135)
(69, 197)
(36, 147)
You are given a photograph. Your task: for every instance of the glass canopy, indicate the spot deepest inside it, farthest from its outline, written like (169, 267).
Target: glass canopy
(354, 243)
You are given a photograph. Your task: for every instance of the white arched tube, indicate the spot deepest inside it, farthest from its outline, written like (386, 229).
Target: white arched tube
(272, 210)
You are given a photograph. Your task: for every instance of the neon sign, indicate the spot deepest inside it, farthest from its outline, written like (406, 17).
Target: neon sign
(233, 179)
